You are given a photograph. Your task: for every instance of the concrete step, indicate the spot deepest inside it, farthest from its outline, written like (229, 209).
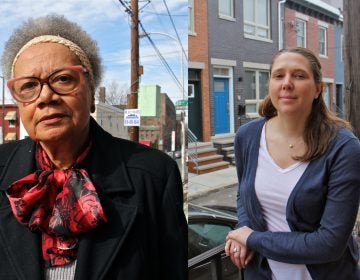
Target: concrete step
(230, 158)
(204, 152)
(228, 149)
(223, 137)
(199, 145)
(210, 167)
(205, 160)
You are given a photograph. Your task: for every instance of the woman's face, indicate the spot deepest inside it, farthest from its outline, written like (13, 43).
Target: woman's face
(292, 87)
(53, 117)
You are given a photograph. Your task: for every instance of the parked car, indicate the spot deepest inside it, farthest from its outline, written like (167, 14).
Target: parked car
(207, 230)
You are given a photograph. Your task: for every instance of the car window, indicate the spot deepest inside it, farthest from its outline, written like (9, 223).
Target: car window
(205, 236)
(206, 271)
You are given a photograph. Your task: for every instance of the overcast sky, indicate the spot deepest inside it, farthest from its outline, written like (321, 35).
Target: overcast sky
(109, 24)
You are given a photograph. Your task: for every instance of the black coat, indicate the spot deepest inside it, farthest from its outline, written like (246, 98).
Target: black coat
(141, 192)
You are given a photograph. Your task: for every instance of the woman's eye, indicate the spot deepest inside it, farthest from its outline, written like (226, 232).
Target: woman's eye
(28, 86)
(277, 76)
(63, 79)
(299, 75)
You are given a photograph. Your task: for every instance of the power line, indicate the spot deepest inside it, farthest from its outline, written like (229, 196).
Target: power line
(162, 59)
(173, 24)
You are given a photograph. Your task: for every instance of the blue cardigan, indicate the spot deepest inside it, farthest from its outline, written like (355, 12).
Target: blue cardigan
(320, 212)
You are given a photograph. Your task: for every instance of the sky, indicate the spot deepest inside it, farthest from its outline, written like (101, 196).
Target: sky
(108, 23)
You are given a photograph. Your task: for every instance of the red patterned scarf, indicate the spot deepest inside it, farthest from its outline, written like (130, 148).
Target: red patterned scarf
(61, 204)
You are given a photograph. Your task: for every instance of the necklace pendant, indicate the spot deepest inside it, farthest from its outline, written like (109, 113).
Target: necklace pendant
(291, 146)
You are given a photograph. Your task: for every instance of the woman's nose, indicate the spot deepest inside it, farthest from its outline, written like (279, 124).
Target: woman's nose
(286, 81)
(46, 94)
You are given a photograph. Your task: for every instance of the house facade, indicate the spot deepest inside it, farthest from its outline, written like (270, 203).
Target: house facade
(231, 44)
(242, 37)
(158, 124)
(10, 123)
(199, 113)
(316, 25)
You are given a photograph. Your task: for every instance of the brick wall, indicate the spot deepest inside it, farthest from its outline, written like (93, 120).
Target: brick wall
(198, 52)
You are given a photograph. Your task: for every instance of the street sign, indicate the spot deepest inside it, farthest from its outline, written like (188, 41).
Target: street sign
(131, 117)
(182, 102)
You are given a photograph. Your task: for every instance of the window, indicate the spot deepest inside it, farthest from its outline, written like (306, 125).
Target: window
(322, 40)
(204, 236)
(300, 33)
(191, 16)
(326, 95)
(226, 8)
(12, 123)
(191, 91)
(257, 18)
(218, 71)
(255, 90)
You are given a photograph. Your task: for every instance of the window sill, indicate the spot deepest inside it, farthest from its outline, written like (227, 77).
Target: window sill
(228, 18)
(252, 37)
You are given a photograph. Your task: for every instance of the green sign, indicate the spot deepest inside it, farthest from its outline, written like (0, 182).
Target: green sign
(182, 102)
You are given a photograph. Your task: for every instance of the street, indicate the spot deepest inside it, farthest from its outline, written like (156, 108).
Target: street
(225, 196)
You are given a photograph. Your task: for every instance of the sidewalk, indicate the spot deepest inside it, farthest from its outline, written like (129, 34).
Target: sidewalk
(200, 185)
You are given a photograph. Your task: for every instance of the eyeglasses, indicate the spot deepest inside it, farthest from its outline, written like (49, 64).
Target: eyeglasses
(62, 82)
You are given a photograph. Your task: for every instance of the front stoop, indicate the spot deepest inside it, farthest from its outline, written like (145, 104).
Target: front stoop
(207, 159)
(225, 147)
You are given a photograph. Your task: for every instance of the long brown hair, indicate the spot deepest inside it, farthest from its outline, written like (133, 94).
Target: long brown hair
(322, 125)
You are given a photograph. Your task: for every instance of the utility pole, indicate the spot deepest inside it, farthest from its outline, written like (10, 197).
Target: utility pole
(352, 62)
(133, 98)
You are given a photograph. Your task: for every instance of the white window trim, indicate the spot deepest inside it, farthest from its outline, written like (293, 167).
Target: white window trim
(191, 29)
(326, 29)
(255, 66)
(248, 36)
(257, 25)
(223, 62)
(256, 69)
(323, 24)
(305, 32)
(302, 16)
(227, 17)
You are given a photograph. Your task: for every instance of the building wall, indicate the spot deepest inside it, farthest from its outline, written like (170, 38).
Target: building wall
(227, 42)
(149, 100)
(198, 59)
(9, 127)
(313, 19)
(111, 119)
(158, 129)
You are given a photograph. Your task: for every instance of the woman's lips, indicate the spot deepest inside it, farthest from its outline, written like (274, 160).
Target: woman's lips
(51, 119)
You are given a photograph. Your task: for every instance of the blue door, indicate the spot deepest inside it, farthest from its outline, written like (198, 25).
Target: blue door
(221, 105)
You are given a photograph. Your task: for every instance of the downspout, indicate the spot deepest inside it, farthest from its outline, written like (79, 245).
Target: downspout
(280, 24)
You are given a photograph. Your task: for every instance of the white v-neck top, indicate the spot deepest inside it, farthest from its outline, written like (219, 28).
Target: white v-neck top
(273, 186)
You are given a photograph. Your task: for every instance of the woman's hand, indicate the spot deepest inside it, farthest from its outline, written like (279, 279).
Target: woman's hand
(239, 254)
(240, 235)
(235, 247)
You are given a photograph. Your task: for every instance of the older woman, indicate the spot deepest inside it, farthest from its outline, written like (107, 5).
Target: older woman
(75, 202)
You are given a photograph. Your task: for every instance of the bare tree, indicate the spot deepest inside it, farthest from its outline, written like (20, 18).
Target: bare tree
(116, 94)
(352, 62)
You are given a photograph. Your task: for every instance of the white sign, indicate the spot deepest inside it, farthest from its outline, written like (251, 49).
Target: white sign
(131, 117)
